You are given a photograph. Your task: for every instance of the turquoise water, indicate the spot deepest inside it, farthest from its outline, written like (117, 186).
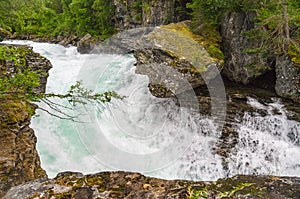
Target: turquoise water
(150, 135)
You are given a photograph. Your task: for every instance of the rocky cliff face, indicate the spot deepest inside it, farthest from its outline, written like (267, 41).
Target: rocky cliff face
(240, 66)
(19, 160)
(287, 78)
(130, 14)
(133, 14)
(134, 185)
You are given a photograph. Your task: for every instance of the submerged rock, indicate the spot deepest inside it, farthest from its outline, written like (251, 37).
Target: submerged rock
(135, 185)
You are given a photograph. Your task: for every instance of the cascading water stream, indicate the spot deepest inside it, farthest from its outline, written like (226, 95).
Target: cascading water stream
(142, 124)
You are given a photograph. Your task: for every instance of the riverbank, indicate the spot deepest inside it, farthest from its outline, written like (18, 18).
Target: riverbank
(134, 185)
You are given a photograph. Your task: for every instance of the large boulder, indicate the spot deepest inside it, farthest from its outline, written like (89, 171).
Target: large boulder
(174, 59)
(287, 78)
(240, 65)
(176, 62)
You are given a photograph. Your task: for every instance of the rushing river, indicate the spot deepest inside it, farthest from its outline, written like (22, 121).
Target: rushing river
(150, 135)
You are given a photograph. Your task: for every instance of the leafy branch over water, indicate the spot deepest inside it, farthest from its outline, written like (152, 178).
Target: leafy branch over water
(23, 86)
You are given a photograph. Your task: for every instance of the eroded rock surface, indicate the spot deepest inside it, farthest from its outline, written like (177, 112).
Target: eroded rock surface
(134, 185)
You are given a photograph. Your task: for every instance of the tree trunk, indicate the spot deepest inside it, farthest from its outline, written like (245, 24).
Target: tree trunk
(286, 24)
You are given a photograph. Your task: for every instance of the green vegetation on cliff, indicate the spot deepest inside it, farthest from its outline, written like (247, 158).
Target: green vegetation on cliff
(79, 17)
(20, 82)
(277, 27)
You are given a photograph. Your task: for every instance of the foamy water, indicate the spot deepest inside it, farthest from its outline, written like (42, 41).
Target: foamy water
(150, 135)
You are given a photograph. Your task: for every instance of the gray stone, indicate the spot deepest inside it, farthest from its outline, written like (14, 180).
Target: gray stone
(239, 66)
(287, 79)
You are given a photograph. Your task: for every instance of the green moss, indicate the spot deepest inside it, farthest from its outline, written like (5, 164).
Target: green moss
(138, 17)
(294, 54)
(147, 10)
(207, 36)
(197, 193)
(94, 180)
(65, 195)
(4, 179)
(15, 54)
(215, 52)
(13, 111)
(181, 184)
(235, 189)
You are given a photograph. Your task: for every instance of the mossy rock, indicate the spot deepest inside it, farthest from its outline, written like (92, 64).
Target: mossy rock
(207, 36)
(3, 34)
(134, 185)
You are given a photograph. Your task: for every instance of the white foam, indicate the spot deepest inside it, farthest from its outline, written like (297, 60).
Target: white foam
(267, 145)
(142, 124)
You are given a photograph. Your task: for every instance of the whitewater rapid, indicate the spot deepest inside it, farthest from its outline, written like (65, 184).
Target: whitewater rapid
(154, 136)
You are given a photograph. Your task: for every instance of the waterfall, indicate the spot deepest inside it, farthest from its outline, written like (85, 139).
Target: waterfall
(150, 135)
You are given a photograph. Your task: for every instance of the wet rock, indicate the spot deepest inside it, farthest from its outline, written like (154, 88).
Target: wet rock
(287, 79)
(171, 56)
(240, 66)
(168, 74)
(19, 160)
(69, 40)
(86, 44)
